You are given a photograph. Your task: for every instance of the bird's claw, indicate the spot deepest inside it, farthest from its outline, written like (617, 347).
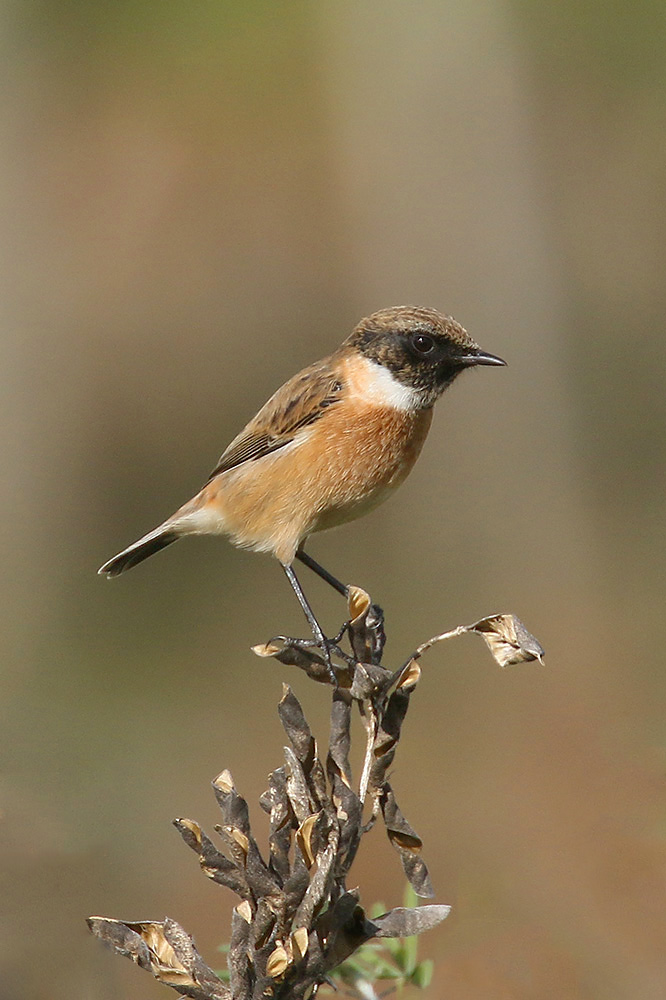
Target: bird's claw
(328, 648)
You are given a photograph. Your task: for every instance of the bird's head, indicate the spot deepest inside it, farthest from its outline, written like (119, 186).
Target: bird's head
(422, 349)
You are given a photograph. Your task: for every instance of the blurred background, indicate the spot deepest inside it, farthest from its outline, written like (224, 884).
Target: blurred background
(198, 199)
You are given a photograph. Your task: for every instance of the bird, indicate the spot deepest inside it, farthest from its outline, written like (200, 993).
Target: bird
(331, 444)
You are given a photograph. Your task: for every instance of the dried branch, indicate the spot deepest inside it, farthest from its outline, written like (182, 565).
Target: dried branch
(297, 921)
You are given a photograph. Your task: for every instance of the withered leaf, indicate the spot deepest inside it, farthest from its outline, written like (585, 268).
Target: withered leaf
(346, 930)
(387, 737)
(237, 835)
(358, 602)
(317, 783)
(304, 746)
(297, 786)
(248, 860)
(213, 863)
(260, 877)
(233, 806)
(409, 676)
(296, 728)
(407, 843)
(165, 950)
(349, 815)
(508, 640)
(304, 838)
(126, 940)
(265, 920)
(297, 884)
(314, 971)
(505, 635)
(237, 850)
(191, 832)
(292, 654)
(281, 822)
(366, 627)
(406, 921)
(340, 736)
(299, 943)
(238, 960)
(394, 715)
(319, 882)
(278, 962)
(207, 983)
(224, 782)
(340, 913)
(370, 681)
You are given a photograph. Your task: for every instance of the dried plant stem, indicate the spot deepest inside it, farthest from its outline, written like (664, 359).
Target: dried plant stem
(425, 646)
(297, 920)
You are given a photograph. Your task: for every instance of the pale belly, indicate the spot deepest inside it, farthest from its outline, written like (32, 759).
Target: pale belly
(332, 516)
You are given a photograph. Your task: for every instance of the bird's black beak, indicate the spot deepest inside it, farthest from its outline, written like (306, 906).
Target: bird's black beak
(479, 358)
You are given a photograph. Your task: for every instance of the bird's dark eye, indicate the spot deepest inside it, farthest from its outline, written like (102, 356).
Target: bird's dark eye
(423, 344)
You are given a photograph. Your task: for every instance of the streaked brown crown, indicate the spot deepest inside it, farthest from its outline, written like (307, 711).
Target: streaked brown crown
(421, 347)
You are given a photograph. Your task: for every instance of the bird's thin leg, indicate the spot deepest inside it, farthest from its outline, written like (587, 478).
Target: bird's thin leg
(323, 573)
(322, 641)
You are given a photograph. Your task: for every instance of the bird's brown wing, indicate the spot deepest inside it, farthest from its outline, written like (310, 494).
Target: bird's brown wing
(296, 404)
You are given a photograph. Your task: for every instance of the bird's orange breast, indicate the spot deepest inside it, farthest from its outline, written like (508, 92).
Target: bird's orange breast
(335, 470)
(363, 459)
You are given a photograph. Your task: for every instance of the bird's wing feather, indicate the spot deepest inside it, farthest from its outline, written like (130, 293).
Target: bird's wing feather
(296, 404)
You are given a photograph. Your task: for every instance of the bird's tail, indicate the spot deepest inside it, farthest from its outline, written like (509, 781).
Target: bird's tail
(155, 540)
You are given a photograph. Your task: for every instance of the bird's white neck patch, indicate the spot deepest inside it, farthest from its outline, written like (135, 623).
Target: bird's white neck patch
(378, 385)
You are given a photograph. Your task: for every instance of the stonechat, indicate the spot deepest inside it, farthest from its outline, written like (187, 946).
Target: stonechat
(332, 443)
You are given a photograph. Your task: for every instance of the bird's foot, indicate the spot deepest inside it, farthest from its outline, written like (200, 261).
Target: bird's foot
(328, 649)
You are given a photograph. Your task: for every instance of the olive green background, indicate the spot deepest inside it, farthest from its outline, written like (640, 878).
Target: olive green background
(198, 199)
